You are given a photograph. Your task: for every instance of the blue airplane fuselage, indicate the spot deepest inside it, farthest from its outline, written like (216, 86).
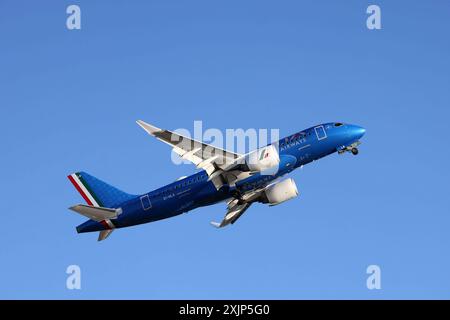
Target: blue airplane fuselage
(196, 190)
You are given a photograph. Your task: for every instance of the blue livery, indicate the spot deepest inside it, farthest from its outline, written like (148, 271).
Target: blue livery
(237, 181)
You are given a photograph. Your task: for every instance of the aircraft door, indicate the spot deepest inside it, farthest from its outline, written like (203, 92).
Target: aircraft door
(320, 132)
(145, 201)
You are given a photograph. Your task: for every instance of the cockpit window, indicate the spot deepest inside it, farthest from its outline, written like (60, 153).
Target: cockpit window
(338, 124)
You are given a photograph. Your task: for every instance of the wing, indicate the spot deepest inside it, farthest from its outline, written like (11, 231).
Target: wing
(237, 207)
(235, 211)
(203, 155)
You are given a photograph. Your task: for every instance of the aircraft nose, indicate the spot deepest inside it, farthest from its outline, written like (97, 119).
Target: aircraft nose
(358, 131)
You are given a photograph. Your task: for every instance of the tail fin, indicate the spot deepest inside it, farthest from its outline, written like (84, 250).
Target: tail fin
(96, 192)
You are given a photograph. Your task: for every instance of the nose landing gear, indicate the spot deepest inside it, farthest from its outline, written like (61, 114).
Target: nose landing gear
(353, 148)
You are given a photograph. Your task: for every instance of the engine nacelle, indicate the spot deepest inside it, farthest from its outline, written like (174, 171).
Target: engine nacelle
(280, 192)
(263, 159)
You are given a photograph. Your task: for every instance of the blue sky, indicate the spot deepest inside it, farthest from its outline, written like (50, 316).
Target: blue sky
(69, 101)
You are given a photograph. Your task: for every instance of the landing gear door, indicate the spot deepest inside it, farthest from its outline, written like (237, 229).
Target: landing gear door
(320, 132)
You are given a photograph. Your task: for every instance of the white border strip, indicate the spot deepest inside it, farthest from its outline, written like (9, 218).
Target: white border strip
(86, 192)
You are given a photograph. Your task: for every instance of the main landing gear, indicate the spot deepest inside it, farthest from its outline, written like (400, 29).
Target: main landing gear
(353, 148)
(238, 196)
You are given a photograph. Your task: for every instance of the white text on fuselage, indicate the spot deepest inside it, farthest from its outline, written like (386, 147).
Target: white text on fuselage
(171, 195)
(289, 144)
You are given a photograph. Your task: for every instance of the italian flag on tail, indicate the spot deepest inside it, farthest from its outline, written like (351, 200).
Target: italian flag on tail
(83, 188)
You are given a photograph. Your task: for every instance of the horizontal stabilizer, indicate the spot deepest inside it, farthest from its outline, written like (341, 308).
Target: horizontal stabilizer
(104, 234)
(95, 213)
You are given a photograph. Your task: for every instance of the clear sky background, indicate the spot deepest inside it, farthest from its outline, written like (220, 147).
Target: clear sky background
(69, 101)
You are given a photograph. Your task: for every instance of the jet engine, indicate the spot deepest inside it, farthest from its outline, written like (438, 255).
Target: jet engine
(280, 192)
(263, 159)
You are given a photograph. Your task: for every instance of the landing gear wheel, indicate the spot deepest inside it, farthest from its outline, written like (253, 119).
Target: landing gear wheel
(355, 151)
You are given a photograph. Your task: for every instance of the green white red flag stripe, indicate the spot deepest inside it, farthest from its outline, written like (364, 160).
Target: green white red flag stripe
(88, 197)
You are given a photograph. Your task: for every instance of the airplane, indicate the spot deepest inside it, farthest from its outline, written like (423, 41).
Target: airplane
(238, 179)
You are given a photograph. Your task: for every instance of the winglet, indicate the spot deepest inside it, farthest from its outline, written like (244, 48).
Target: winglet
(216, 224)
(148, 127)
